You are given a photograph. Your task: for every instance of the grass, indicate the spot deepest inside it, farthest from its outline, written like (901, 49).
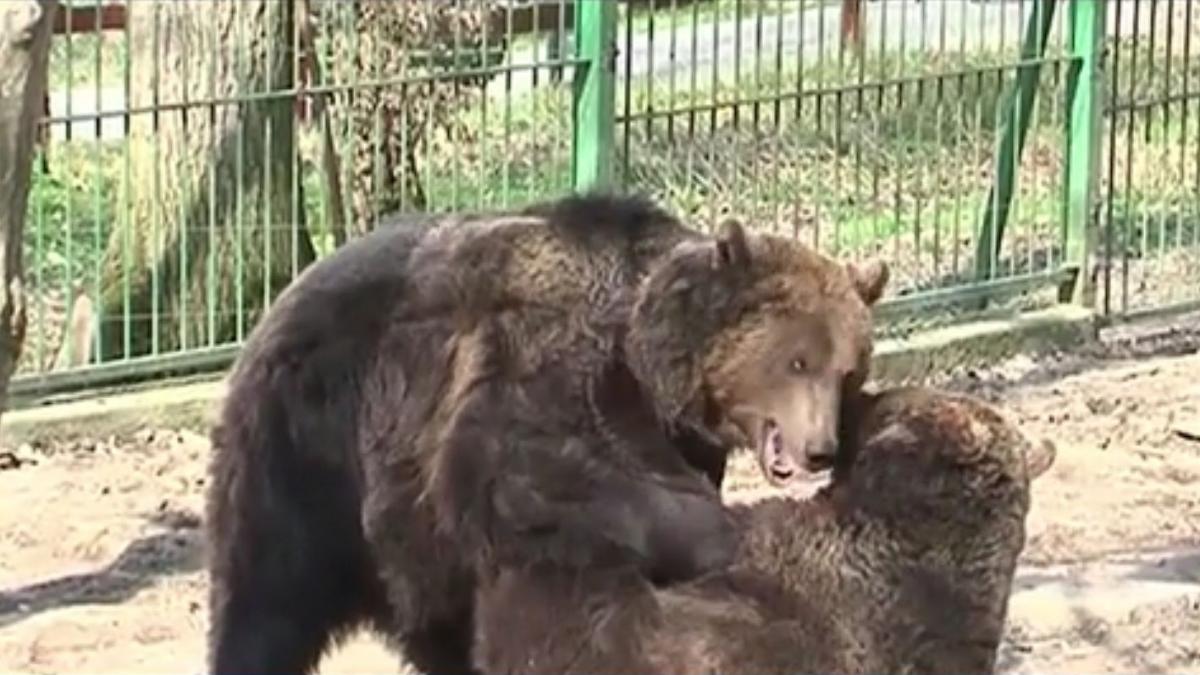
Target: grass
(72, 209)
(874, 166)
(878, 150)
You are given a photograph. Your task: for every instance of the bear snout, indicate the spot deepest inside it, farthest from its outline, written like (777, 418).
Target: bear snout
(820, 454)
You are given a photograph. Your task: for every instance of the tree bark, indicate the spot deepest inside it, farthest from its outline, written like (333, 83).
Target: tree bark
(25, 30)
(390, 126)
(214, 227)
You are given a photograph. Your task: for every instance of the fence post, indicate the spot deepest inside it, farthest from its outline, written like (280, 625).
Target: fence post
(1018, 109)
(1085, 122)
(594, 94)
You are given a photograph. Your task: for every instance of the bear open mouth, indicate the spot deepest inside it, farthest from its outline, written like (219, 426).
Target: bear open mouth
(776, 464)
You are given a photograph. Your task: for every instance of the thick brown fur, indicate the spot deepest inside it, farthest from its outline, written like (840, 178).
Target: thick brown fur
(904, 564)
(492, 389)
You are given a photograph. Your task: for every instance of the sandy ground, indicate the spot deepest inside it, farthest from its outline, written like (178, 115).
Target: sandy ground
(101, 557)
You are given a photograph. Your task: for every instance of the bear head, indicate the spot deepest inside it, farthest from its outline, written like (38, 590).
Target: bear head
(941, 468)
(756, 341)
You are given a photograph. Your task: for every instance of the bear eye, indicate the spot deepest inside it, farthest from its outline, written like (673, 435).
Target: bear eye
(799, 365)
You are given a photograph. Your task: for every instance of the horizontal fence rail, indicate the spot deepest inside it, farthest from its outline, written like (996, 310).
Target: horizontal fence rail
(1001, 156)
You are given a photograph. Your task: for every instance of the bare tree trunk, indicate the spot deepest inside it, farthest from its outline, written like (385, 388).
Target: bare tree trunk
(215, 221)
(852, 25)
(25, 29)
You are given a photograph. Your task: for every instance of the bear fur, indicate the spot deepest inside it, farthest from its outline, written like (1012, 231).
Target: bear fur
(903, 564)
(549, 386)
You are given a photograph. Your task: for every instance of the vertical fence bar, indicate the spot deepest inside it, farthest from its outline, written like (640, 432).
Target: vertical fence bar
(1084, 129)
(1016, 116)
(594, 94)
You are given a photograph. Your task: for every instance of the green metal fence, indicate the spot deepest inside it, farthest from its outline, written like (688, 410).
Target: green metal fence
(939, 145)
(1001, 155)
(1148, 251)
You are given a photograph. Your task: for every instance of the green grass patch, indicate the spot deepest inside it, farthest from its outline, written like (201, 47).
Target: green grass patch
(755, 145)
(73, 203)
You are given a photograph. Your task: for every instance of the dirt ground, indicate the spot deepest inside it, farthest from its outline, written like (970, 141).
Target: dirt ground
(101, 558)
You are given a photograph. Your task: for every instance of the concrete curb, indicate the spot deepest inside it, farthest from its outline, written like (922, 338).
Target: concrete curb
(914, 359)
(902, 361)
(121, 414)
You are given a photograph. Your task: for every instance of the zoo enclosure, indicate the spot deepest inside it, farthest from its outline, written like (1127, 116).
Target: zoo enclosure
(1000, 155)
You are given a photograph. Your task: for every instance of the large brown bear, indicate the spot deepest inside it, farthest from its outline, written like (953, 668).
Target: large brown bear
(560, 386)
(903, 564)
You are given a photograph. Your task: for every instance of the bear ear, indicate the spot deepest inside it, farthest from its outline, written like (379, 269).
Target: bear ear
(731, 248)
(869, 279)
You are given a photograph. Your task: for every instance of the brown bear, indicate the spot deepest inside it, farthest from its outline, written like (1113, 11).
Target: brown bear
(555, 385)
(903, 564)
